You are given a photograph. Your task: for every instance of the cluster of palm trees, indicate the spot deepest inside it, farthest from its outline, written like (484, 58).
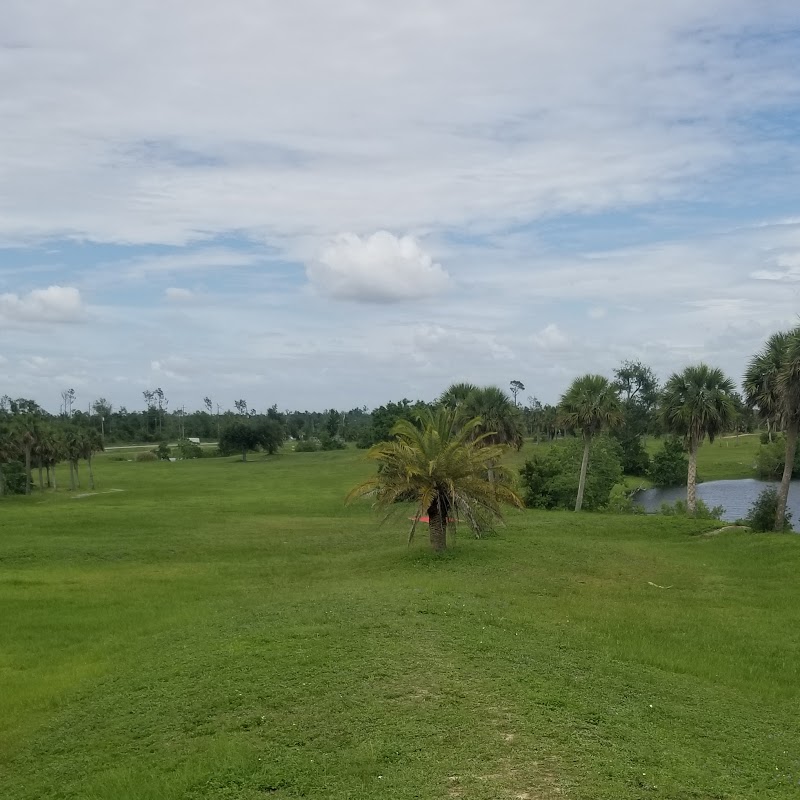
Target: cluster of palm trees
(30, 440)
(699, 403)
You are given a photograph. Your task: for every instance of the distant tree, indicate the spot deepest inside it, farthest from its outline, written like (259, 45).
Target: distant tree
(25, 429)
(104, 410)
(439, 464)
(456, 395)
(500, 420)
(670, 466)
(241, 407)
(516, 388)
(244, 435)
(91, 442)
(67, 401)
(697, 403)
(208, 404)
(590, 406)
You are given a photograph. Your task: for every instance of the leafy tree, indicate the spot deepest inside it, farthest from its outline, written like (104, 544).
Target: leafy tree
(440, 464)
(271, 435)
(243, 435)
(772, 384)
(590, 406)
(551, 477)
(516, 387)
(638, 388)
(697, 403)
(103, 409)
(25, 429)
(771, 460)
(457, 394)
(670, 466)
(91, 442)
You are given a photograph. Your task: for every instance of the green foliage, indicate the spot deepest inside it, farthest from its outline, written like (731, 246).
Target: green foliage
(670, 465)
(550, 478)
(13, 477)
(188, 449)
(771, 458)
(442, 464)
(620, 501)
(147, 456)
(634, 457)
(307, 445)
(679, 509)
(243, 434)
(163, 452)
(761, 516)
(328, 442)
(590, 405)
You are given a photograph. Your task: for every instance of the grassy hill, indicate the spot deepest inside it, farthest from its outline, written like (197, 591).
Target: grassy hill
(228, 630)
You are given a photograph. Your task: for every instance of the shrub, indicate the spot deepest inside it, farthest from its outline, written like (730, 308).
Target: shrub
(162, 452)
(13, 477)
(189, 449)
(670, 466)
(761, 516)
(702, 511)
(550, 479)
(634, 458)
(307, 446)
(620, 501)
(147, 456)
(770, 460)
(328, 442)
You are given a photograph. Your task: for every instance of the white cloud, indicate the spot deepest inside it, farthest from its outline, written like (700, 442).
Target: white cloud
(381, 268)
(177, 294)
(551, 339)
(598, 312)
(53, 304)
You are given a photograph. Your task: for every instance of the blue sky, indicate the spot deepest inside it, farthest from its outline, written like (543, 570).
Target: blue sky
(317, 205)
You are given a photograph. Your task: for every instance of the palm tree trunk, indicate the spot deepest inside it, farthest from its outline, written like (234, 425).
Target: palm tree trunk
(77, 474)
(72, 475)
(91, 473)
(691, 481)
(584, 468)
(788, 466)
(55, 482)
(41, 476)
(47, 470)
(2, 480)
(244, 454)
(28, 469)
(437, 525)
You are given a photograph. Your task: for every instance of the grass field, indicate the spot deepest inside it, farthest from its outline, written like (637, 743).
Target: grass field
(227, 630)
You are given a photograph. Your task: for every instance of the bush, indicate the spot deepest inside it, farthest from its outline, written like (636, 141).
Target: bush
(328, 442)
(13, 477)
(550, 479)
(670, 466)
(702, 511)
(162, 452)
(634, 458)
(307, 446)
(147, 456)
(761, 516)
(189, 449)
(620, 501)
(771, 458)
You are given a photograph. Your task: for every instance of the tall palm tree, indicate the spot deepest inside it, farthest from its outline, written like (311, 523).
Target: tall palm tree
(789, 388)
(73, 452)
(696, 403)
(91, 442)
(25, 433)
(589, 406)
(440, 464)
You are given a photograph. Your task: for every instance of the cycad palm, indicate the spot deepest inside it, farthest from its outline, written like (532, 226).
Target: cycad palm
(440, 464)
(696, 403)
(589, 406)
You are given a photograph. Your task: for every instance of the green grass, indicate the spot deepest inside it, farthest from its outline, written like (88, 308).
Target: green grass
(228, 630)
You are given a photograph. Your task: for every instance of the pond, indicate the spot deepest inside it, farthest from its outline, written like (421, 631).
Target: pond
(735, 497)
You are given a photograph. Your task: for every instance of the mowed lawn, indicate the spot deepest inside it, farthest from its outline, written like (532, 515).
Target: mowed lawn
(229, 630)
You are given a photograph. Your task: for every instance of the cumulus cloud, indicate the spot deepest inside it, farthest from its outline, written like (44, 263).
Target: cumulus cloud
(551, 339)
(53, 304)
(381, 268)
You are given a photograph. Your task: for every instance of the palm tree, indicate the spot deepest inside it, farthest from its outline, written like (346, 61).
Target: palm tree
(91, 442)
(696, 403)
(789, 391)
(589, 406)
(457, 394)
(25, 433)
(440, 464)
(73, 452)
(501, 421)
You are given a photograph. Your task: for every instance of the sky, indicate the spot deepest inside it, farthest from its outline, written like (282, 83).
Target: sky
(324, 205)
